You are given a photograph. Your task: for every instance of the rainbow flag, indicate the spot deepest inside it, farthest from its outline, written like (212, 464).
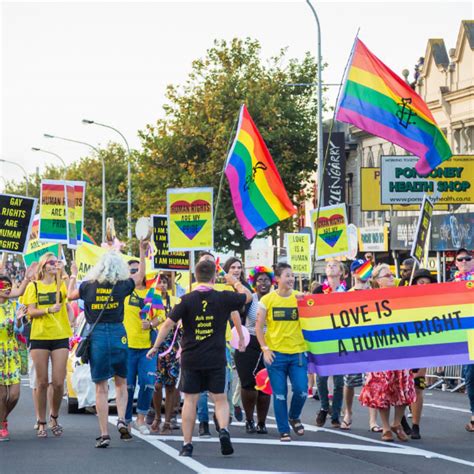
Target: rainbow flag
(390, 328)
(87, 237)
(378, 101)
(258, 194)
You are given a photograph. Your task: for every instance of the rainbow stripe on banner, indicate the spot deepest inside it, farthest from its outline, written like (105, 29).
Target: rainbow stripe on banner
(53, 222)
(387, 329)
(258, 194)
(378, 101)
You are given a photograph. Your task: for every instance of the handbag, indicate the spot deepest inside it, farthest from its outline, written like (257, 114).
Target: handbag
(83, 350)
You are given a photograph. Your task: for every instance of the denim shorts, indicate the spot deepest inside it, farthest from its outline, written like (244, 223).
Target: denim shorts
(109, 351)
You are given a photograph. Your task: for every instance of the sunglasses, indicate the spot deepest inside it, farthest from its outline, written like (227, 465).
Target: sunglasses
(467, 258)
(5, 285)
(133, 271)
(388, 275)
(51, 262)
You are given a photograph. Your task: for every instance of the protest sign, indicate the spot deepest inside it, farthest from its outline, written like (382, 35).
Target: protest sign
(373, 239)
(80, 199)
(452, 231)
(16, 221)
(36, 249)
(422, 230)
(53, 214)
(402, 232)
(388, 329)
(259, 256)
(330, 231)
(298, 248)
(190, 219)
(162, 258)
(71, 215)
(401, 183)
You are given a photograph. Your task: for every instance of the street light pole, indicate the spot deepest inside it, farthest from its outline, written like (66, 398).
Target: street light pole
(320, 109)
(104, 205)
(34, 148)
(22, 169)
(129, 174)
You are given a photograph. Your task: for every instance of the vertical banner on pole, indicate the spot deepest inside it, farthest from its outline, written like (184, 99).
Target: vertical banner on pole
(190, 219)
(335, 169)
(422, 229)
(53, 214)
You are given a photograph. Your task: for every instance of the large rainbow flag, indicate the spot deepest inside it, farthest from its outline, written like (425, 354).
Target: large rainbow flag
(387, 329)
(378, 101)
(258, 194)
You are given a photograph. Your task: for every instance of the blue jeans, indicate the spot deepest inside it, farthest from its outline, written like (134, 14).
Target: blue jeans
(322, 383)
(202, 408)
(145, 369)
(468, 374)
(283, 366)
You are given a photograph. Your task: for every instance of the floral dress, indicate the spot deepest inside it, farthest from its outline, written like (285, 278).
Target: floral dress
(389, 388)
(10, 360)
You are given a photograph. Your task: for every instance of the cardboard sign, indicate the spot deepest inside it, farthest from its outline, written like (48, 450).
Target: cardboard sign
(162, 258)
(53, 213)
(71, 215)
(422, 230)
(298, 248)
(36, 249)
(190, 219)
(373, 239)
(16, 221)
(389, 328)
(453, 180)
(330, 231)
(259, 256)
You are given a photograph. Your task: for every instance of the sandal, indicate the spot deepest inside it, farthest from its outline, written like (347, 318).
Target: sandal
(470, 427)
(297, 426)
(346, 425)
(387, 437)
(155, 426)
(55, 427)
(376, 429)
(123, 430)
(401, 435)
(165, 429)
(36, 425)
(285, 437)
(41, 433)
(102, 441)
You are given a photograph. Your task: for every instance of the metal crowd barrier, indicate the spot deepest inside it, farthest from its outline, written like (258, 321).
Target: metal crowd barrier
(450, 373)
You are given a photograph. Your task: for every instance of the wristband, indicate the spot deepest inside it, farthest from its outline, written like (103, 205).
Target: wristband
(264, 348)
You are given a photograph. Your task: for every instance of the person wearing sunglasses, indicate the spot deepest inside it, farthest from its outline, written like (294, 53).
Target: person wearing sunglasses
(390, 388)
(49, 338)
(465, 272)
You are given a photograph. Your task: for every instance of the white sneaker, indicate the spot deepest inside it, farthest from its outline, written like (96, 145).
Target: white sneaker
(143, 429)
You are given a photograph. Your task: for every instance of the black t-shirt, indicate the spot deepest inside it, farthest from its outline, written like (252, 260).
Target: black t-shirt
(95, 295)
(204, 315)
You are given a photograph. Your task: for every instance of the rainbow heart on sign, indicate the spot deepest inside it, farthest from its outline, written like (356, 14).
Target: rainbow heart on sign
(330, 236)
(190, 228)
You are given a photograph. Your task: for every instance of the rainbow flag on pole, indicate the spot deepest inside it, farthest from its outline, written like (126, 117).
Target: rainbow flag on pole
(258, 194)
(390, 328)
(378, 101)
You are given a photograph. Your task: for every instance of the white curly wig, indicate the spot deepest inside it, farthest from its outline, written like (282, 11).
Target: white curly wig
(111, 268)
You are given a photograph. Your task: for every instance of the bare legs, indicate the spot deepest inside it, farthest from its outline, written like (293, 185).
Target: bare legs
(9, 396)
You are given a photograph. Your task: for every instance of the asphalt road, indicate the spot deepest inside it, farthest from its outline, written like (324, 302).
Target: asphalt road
(445, 446)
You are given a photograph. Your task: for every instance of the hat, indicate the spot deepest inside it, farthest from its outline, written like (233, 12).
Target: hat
(424, 273)
(362, 268)
(463, 250)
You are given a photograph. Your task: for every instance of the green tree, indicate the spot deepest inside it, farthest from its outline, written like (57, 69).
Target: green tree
(188, 146)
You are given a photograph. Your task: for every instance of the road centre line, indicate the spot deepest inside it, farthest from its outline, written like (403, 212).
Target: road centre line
(442, 407)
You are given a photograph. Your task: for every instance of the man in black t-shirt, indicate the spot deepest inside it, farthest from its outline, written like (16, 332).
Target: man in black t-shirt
(204, 314)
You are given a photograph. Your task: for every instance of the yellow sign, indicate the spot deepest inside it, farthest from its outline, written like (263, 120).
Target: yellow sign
(190, 216)
(370, 194)
(299, 253)
(330, 231)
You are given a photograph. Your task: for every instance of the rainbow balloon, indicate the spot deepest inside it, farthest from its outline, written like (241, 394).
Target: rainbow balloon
(378, 101)
(387, 329)
(258, 194)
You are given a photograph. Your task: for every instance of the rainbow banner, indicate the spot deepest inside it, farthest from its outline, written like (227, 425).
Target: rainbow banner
(388, 329)
(53, 221)
(258, 194)
(87, 237)
(378, 101)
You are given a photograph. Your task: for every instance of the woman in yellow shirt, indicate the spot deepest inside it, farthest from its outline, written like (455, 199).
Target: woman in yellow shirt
(284, 351)
(49, 338)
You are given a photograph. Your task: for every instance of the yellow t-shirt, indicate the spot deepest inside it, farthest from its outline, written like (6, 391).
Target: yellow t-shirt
(284, 332)
(50, 326)
(219, 287)
(138, 338)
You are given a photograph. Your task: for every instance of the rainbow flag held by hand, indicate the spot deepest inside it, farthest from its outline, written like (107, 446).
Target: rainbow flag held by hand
(378, 101)
(258, 194)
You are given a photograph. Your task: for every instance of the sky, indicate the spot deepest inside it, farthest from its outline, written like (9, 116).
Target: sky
(63, 61)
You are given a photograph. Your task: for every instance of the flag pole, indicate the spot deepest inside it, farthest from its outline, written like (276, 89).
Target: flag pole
(320, 188)
(221, 182)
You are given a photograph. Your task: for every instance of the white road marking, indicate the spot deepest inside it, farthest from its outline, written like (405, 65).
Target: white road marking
(443, 407)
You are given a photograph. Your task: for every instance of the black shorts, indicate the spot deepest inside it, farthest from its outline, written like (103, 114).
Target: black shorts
(49, 344)
(197, 381)
(249, 363)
